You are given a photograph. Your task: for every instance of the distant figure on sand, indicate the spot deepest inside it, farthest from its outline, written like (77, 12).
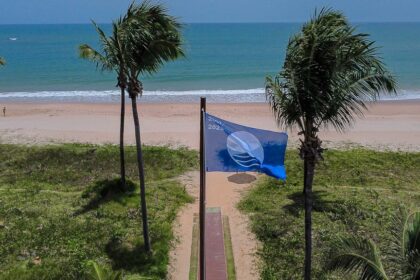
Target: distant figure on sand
(4, 111)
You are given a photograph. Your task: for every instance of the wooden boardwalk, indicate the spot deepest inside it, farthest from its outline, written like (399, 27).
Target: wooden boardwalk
(215, 248)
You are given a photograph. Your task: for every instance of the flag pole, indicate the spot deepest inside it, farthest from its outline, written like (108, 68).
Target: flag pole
(202, 191)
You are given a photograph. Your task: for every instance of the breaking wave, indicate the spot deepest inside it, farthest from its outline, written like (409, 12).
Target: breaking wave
(236, 95)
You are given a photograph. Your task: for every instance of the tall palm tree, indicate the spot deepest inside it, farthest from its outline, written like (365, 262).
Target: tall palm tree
(153, 38)
(111, 57)
(361, 257)
(328, 74)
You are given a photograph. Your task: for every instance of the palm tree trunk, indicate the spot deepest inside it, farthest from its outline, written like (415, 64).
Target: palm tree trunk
(309, 176)
(122, 157)
(305, 169)
(141, 176)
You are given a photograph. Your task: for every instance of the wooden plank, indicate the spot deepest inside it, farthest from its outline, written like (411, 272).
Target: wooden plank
(214, 246)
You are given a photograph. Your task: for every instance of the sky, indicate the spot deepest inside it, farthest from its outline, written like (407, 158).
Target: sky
(103, 11)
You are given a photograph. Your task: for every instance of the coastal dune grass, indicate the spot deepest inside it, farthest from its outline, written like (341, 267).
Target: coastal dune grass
(356, 192)
(61, 206)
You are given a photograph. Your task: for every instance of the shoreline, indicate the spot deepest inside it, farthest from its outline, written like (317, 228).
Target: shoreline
(389, 124)
(168, 97)
(141, 102)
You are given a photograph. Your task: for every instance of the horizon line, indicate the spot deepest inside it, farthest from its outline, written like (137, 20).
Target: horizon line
(206, 22)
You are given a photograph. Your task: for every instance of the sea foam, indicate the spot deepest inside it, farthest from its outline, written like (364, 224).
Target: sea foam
(235, 95)
(105, 93)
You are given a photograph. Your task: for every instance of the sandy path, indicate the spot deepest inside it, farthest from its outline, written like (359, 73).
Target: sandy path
(224, 191)
(179, 259)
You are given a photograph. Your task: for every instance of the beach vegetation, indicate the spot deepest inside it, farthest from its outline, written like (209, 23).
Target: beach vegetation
(98, 272)
(361, 257)
(358, 193)
(61, 207)
(329, 72)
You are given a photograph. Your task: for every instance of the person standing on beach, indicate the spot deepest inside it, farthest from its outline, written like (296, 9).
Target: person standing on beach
(4, 111)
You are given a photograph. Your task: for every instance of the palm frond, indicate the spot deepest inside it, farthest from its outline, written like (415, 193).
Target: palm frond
(142, 40)
(411, 239)
(329, 72)
(112, 54)
(286, 111)
(359, 257)
(97, 272)
(411, 246)
(102, 36)
(88, 53)
(152, 37)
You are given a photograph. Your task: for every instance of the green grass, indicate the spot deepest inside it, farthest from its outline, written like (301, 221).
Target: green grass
(230, 262)
(194, 250)
(356, 192)
(56, 212)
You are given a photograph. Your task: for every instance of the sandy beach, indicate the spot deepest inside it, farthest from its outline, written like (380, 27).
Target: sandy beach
(387, 124)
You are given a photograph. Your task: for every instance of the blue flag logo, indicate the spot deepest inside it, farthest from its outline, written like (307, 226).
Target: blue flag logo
(231, 147)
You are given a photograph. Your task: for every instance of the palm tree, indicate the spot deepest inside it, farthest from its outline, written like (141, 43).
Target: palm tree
(328, 74)
(153, 38)
(361, 257)
(97, 272)
(111, 57)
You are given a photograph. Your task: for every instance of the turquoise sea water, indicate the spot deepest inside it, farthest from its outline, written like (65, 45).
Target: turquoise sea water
(227, 62)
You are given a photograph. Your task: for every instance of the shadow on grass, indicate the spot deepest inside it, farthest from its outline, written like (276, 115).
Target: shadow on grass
(133, 257)
(320, 203)
(104, 191)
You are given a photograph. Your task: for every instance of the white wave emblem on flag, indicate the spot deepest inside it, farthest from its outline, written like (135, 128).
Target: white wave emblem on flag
(245, 149)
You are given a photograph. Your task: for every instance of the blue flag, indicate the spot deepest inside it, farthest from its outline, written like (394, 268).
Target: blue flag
(230, 147)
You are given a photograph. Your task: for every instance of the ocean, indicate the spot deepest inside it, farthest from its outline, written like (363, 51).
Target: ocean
(225, 62)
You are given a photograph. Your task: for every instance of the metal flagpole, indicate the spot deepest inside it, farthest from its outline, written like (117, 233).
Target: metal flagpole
(202, 191)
